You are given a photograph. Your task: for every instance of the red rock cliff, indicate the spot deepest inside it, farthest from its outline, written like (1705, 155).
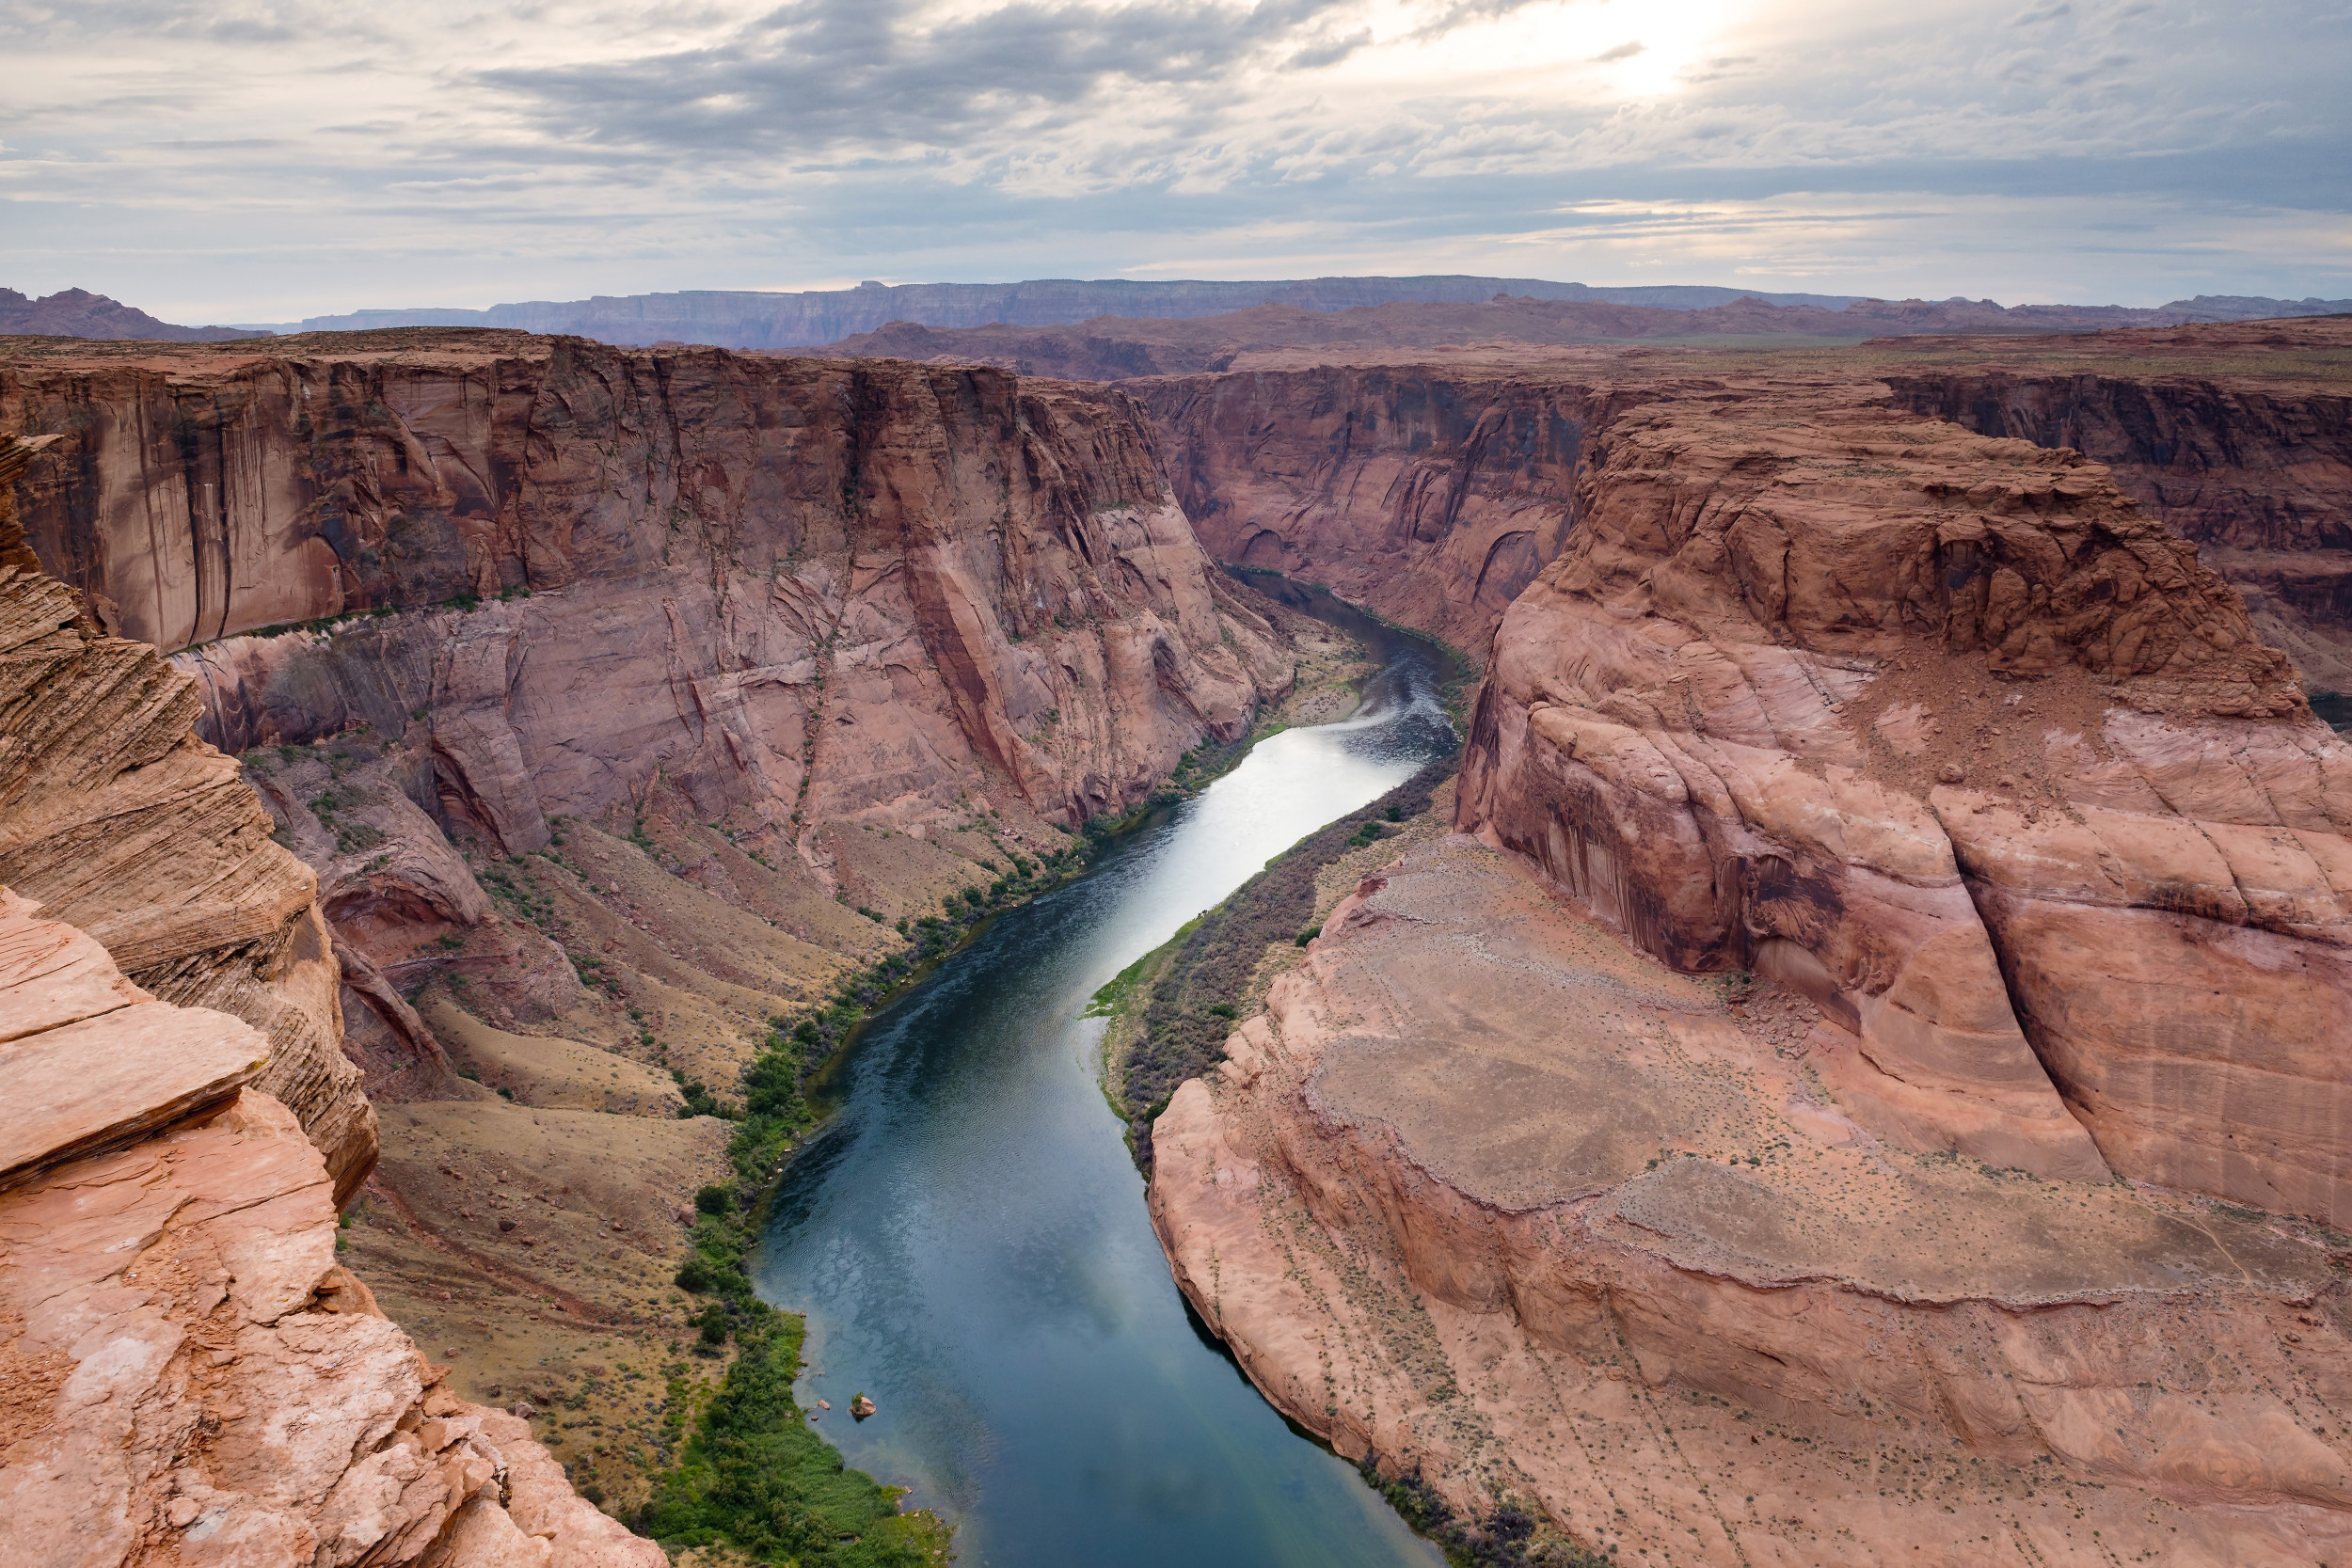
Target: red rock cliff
(2234, 437)
(797, 590)
(117, 819)
(186, 1373)
(1947, 733)
(1431, 498)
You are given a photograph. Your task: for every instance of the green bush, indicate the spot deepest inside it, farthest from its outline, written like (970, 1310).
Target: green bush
(715, 1325)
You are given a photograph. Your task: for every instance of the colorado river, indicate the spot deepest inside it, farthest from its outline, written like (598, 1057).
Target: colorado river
(969, 1238)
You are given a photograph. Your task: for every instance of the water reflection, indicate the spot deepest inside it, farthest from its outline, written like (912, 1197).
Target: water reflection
(969, 1238)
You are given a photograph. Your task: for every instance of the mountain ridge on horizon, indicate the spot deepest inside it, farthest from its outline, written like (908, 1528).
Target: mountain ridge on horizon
(772, 320)
(813, 318)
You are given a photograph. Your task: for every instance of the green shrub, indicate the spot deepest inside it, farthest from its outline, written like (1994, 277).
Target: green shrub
(715, 1325)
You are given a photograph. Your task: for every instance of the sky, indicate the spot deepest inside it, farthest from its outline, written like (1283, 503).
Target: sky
(262, 160)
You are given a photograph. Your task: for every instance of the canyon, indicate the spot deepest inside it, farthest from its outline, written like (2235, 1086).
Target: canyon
(555, 794)
(1851, 1069)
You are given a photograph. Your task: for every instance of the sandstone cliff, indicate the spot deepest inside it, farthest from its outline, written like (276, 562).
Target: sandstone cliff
(186, 1373)
(1945, 732)
(189, 1374)
(619, 703)
(2237, 437)
(1488, 1197)
(1433, 499)
(120, 822)
(798, 591)
(2007, 1116)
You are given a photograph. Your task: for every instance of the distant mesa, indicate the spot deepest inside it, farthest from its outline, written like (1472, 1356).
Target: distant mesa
(79, 313)
(768, 320)
(805, 320)
(1057, 326)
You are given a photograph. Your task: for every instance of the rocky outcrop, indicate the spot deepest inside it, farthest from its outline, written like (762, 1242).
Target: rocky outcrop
(1949, 735)
(1489, 1195)
(189, 1376)
(1431, 498)
(793, 591)
(2222, 433)
(119, 821)
(2009, 862)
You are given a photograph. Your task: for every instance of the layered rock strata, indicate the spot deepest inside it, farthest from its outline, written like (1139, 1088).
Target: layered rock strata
(1489, 1194)
(621, 703)
(794, 589)
(2236, 437)
(2010, 862)
(189, 1374)
(1433, 499)
(119, 821)
(1948, 733)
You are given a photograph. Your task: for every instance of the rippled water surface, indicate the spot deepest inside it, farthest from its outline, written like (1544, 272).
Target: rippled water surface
(969, 1239)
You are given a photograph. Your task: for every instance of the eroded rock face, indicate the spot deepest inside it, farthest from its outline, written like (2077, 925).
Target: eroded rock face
(1433, 499)
(118, 820)
(790, 589)
(188, 1374)
(1948, 733)
(1489, 1194)
(2245, 447)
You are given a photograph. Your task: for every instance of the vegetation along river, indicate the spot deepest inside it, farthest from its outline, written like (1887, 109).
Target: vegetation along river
(969, 1240)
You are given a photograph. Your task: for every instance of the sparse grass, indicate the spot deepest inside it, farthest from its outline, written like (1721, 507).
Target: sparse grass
(1193, 1004)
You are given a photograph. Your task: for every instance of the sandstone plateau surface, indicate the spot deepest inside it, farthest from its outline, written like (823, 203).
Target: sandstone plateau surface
(1488, 1196)
(2005, 1112)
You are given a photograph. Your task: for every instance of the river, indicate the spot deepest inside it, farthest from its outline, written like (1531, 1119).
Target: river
(968, 1236)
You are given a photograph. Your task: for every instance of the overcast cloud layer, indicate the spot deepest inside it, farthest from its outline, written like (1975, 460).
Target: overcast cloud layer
(266, 159)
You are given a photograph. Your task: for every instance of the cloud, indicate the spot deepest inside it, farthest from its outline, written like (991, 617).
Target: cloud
(260, 159)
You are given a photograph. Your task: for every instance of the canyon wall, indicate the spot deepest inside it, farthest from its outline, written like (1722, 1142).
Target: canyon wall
(1873, 1055)
(1430, 498)
(2258, 475)
(797, 591)
(189, 1374)
(602, 708)
(119, 821)
(1947, 733)
(1489, 1198)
